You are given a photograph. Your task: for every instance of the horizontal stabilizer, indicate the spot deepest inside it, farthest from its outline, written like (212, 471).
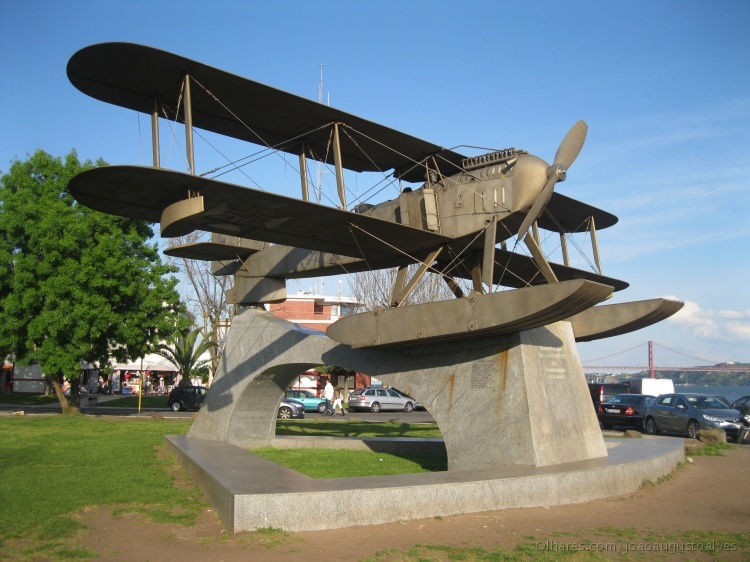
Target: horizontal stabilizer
(211, 251)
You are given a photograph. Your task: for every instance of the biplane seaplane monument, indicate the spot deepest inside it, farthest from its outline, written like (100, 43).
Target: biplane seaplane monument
(497, 366)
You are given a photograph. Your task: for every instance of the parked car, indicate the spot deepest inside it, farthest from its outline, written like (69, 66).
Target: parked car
(417, 405)
(291, 409)
(742, 405)
(624, 410)
(603, 392)
(688, 413)
(376, 399)
(187, 397)
(311, 402)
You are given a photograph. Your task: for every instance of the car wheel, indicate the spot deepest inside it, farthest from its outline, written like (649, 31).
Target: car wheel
(375, 408)
(322, 408)
(408, 407)
(650, 427)
(176, 406)
(285, 413)
(606, 426)
(692, 429)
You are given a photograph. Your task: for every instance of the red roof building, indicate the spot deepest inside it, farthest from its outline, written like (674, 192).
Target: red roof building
(317, 312)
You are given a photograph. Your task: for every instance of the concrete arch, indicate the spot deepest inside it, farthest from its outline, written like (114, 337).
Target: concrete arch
(253, 422)
(490, 397)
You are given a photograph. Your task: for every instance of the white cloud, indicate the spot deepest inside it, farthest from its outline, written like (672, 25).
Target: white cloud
(727, 325)
(731, 314)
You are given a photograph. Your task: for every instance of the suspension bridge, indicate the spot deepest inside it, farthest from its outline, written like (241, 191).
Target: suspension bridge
(653, 357)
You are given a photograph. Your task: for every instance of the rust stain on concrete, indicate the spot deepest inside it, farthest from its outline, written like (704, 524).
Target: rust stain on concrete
(451, 385)
(502, 364)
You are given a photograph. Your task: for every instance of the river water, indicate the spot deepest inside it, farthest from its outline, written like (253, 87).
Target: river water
(731, 393)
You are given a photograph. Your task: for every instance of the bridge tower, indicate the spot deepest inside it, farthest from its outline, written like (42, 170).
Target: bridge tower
(651, 359)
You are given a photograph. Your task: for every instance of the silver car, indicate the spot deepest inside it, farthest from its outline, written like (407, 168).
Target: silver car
(687, 413)
(291, 410)
(376, 399)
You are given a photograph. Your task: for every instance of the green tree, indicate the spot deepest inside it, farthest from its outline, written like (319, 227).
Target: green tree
(75, 284)
(185, 352)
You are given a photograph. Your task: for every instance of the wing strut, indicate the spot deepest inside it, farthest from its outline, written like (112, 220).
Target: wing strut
(303, 173)
(539, 259)
(155, 133)
(564, 248)
(339, 166)
(595, 244)
(188, 109)
(398, 285)
(406, 291)
(488, 259)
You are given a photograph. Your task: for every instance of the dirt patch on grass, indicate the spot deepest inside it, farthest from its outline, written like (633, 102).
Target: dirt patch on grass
(704, 504)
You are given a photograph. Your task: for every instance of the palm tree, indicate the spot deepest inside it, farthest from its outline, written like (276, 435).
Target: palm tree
(184, 354)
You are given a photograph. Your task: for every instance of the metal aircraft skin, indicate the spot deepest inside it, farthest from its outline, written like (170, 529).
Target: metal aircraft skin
(451, 224)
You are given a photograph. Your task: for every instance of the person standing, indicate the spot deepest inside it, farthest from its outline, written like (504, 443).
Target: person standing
(338, 400)
(328, 395)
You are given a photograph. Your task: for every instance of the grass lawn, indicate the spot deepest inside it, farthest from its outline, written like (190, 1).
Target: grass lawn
(330, 463)
(53, 466)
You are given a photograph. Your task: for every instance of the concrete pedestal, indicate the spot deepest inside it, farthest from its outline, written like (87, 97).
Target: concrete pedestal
(513, 400)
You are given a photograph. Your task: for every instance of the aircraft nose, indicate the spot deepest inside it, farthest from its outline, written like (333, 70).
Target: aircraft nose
(530, 175)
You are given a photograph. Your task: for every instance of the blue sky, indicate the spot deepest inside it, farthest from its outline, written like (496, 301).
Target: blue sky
(664, 87)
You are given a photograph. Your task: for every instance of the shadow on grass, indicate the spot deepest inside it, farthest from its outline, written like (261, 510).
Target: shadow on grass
(345, 463)
(357, 428)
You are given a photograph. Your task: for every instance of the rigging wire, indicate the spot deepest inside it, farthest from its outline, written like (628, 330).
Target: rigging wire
(387, 180)
(415, 260)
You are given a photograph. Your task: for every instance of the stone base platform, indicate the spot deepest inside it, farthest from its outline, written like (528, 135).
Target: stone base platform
(250, 492)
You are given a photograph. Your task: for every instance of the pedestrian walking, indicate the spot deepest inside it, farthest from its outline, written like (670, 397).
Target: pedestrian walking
(328, 395)
(338, 401)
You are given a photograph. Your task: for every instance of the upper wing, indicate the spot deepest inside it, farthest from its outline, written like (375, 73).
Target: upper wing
(133, 76)
(144, 193)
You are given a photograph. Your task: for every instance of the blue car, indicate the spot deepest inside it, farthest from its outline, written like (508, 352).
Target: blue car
(689, 413)
(311, 402)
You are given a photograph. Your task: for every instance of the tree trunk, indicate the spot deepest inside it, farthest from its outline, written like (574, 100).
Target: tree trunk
(75, 393)
(67, 409)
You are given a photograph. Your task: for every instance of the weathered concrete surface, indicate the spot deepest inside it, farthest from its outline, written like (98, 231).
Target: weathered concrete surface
(513, 400)
(250, 492)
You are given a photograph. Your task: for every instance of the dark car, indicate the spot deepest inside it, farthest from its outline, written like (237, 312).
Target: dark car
(291, 409)
(742, 405)
(687, 413)
(603, 392)
(187, 397)
(624, 410)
